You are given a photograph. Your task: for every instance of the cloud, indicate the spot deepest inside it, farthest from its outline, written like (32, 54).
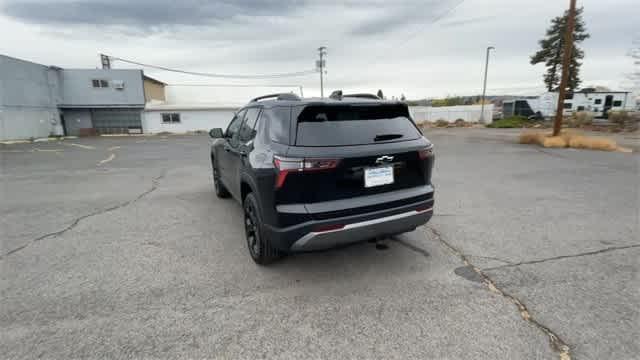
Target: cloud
(394, 45)
(467, 21)
(142, 14)
(390, 18)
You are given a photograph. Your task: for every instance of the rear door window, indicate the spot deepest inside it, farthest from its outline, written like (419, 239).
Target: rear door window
(340, 125)
(278, 120)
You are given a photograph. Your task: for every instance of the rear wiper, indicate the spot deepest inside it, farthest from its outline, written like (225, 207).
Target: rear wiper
(386, 137)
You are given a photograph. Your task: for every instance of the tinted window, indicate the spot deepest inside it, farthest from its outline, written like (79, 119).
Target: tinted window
(278, 119)
(235, 124)
(247, 130)
(336, 125)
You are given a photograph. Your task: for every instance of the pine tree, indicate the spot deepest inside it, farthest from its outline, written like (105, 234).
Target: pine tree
(380, 94)
(552, 49)
(403, 98)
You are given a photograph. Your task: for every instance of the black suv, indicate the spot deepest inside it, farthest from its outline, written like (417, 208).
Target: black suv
(315, 173)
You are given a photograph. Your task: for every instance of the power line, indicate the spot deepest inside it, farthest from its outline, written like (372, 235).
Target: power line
(213, 75)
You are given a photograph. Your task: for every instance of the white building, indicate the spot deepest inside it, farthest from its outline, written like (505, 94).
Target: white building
(182, 118)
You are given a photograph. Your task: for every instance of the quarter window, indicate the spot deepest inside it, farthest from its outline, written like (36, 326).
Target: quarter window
(168, 118)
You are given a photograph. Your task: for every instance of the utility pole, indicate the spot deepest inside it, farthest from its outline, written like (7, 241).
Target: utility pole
(484, 86)
(566, 58)
(320, 64)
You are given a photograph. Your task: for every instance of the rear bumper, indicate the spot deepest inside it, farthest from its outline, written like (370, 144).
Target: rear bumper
(306, 237)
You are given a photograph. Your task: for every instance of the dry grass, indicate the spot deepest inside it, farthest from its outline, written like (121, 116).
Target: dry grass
(568, 139)
(554, 142)
(593, 143)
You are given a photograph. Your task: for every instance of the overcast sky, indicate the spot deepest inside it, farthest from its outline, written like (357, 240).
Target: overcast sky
(419, 48)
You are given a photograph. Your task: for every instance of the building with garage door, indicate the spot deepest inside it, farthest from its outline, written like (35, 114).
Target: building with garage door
(39, 100)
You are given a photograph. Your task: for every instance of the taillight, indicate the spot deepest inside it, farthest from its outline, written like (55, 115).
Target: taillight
(426, 152)
(286, 165)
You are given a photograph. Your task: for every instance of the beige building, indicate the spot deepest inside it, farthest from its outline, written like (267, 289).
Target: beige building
(153, 89)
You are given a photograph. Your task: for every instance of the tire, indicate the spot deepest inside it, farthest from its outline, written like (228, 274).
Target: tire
(258, 244)
(218, 187)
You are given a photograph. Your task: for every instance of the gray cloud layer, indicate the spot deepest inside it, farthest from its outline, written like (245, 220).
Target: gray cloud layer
(142, 14)
(418, 47)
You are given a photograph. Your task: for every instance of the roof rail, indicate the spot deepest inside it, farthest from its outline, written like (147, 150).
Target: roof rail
(338, 95)
(280, 96)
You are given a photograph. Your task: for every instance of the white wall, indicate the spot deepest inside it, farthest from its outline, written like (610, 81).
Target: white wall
(190, 120)
(469, 113)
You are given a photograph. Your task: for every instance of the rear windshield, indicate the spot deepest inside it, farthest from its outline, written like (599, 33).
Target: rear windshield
(338, 125)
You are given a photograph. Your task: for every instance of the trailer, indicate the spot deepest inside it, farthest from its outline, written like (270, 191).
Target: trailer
(597, 103)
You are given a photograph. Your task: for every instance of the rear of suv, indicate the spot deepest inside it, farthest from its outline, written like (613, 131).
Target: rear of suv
(317, 173)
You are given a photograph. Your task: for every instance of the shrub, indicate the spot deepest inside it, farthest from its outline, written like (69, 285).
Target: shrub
(532, 137)
(460, 123)
(579, 119)
(441, 123)
(619, 117)
(510, 122)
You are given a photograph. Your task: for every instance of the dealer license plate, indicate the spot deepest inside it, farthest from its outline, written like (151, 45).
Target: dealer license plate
(377, 176)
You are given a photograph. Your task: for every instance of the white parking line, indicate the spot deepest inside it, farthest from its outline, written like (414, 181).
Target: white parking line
(111, 157)
(82, 146)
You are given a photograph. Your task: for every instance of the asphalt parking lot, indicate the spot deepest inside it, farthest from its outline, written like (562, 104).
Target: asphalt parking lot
(117, 248)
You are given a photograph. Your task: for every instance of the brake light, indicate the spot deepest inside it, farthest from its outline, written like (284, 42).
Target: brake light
(425, 153)
(286, 165)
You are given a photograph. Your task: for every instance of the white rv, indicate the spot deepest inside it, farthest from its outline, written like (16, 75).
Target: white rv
(598, 103)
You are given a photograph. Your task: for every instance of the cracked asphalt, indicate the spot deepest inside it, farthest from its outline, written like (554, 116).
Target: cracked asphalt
(530, 255)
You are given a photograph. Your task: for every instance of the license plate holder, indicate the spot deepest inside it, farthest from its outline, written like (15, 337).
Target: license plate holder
(378, 176)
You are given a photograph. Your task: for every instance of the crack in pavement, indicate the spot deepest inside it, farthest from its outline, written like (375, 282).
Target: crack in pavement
(557, 344)
(491, 258)
(588, 253)
(154, 185)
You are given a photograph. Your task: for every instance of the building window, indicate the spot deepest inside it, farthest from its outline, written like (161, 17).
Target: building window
(568, 95)
(567, 105)
(598, 101)
(580, 108)
(100, 83)
(617, 103)
(169, 118)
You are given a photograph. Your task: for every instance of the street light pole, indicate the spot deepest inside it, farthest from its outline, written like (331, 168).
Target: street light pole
(484, 86)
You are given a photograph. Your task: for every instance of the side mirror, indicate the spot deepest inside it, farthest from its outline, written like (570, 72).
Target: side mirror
(216, 133)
